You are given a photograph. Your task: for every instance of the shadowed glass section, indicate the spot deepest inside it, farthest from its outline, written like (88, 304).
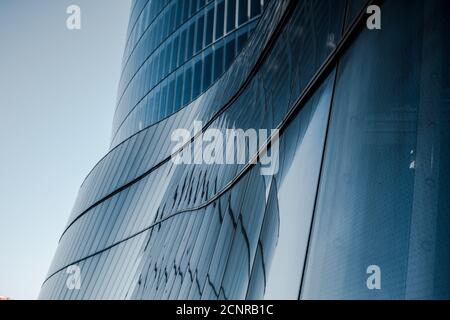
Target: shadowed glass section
(382, 198)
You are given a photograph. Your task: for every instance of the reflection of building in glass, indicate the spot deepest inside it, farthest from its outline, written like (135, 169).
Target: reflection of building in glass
(364, 121)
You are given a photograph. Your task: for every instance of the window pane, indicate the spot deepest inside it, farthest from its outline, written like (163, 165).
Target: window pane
(255, 8)
(230, 51)
(187, 86)
(200, 28)
(243, 11)
(231, 15)
(218, 62)
(197, 78)
(209, 27)
(207, 71)
(220, 10)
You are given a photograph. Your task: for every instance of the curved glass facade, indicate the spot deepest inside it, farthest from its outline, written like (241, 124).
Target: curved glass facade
(175, 51)
(364, 120)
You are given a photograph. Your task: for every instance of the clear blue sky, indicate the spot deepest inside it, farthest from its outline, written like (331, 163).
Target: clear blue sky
(57, 97)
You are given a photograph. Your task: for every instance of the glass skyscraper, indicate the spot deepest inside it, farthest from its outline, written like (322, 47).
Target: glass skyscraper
(364, 122)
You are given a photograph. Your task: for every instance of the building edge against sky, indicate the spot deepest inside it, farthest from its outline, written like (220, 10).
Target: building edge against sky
(364, 142)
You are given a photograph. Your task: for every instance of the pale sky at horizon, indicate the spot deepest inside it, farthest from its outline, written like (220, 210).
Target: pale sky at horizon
(57, 98)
